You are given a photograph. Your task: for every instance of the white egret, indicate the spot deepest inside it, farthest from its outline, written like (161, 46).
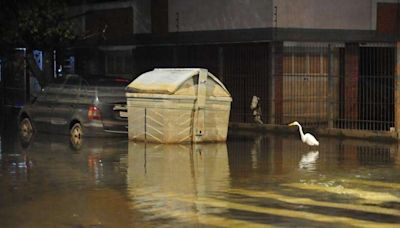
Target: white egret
(307, 138)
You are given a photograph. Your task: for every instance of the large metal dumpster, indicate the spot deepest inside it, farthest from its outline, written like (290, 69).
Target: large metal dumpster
(178, 105)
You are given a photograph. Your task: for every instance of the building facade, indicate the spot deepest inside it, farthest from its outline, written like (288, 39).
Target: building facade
(324, 63)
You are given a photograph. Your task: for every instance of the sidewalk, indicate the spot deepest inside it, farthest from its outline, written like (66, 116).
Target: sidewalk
(325, 132)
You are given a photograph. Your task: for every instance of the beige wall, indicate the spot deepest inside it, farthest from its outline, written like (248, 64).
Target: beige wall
(200, 15)
(203, 15)
(325, 14)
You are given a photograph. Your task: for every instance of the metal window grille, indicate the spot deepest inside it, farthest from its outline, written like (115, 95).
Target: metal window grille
(305, 81)
(320, 84)
(367, 87)
(348, 85)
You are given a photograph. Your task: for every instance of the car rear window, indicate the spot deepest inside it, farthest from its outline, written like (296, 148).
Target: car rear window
(76, 80)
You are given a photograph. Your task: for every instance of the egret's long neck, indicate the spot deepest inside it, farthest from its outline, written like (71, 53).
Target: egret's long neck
(301, 132)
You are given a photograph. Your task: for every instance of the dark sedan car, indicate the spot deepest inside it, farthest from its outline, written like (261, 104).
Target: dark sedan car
(90, 106)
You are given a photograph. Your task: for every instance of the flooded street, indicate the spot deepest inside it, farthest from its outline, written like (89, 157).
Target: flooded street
(252, 180)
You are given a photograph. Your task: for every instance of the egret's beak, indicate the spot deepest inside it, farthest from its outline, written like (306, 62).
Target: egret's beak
(291, 124)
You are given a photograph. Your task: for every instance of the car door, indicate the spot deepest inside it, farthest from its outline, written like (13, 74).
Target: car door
(64, 108)
(40, 109)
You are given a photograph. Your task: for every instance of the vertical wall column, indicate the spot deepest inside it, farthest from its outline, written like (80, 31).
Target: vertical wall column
(351, 81)
(397, 90)
(276, 83)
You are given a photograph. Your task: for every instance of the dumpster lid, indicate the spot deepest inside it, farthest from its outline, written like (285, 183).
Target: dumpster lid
(166, 80)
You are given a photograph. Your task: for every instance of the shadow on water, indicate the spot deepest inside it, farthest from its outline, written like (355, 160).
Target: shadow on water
(251, 180)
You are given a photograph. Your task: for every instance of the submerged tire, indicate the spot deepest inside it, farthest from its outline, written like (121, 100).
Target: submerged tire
(76, 134)
(25, 131)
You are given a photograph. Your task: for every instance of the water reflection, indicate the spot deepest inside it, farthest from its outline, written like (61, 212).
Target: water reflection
(251, 180)
(50, 184)
(309, 160)
(262, 180)
(175, 170)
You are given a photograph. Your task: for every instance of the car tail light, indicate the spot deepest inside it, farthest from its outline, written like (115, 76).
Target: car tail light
(94, 113)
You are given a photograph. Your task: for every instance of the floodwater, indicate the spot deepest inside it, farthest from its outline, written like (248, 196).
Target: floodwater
(251, 181)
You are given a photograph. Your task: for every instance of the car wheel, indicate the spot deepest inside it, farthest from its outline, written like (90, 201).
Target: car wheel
(76, 134)
(25, 130)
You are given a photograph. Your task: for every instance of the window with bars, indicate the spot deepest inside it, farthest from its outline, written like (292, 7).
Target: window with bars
(305, 64)
(305, 80)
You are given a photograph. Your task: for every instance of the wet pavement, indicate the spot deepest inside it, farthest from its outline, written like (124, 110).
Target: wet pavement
(252, 180)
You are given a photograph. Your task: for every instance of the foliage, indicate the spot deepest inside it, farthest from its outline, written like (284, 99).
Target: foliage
(37, 24)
